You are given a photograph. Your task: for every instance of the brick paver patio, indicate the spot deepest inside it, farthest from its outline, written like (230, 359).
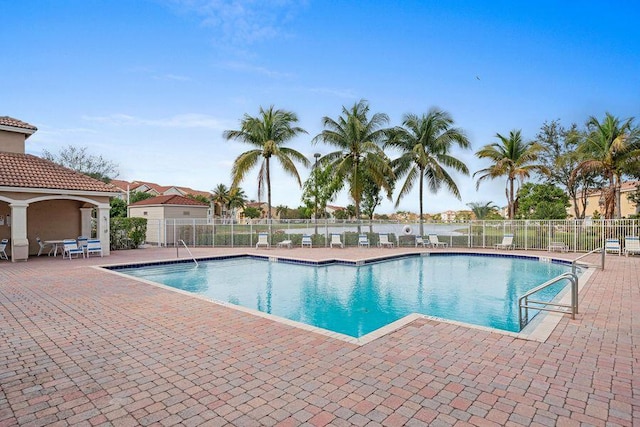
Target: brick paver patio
(80, 346)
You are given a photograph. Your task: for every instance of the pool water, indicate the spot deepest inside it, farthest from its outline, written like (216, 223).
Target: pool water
(356, 300)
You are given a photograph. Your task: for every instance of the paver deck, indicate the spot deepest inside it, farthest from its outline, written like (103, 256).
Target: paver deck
(80, 346)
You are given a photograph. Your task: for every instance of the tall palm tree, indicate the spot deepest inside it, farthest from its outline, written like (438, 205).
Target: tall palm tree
(237, 199)
(267, 133)
(425, 143)
(220, 197)
(609, 147)
(359, 141)
(513, 158)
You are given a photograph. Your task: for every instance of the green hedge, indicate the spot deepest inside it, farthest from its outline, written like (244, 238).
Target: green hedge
(127, 233)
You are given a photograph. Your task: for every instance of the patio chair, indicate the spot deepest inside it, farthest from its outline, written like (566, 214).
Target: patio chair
(631, 245)
(420, 242)
(558, 246)
(383, 240)
(363, 241)
(3, 247)
(433, 241)
(306, 240)
(70, 247)
(93, 247)
(507, 242)
(613, 245)
(82, 242)
(335, 240)
(43, 246)
(263, 240)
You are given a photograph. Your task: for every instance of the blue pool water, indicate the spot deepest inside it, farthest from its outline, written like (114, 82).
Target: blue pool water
(352, 300)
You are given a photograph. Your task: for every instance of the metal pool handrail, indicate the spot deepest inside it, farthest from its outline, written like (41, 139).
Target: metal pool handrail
(187, 248)
(575, 263)
(524, 301)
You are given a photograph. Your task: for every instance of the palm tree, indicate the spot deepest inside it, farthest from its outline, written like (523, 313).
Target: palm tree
(267, 132)
(482, 209)
(610, 147)
(513, 158)
(220, 197)
(425, 143)
(358, 140)
(237, 199)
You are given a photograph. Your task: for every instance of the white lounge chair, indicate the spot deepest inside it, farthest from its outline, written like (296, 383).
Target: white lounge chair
(263, 240)
(285, 243)
(507, 242)
(43, 246)
(558, 246)
(613, 245)
(433, 241)
(93, 247)
(3, 247)
(335, 241)
(363, 241)
(383, 240)
(70, 247)
(420, 242)
(306, 241)
(631, 245)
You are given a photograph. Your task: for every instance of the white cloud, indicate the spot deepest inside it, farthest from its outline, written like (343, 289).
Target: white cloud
(242, 66)
(242, 21)
(182, 121)
(174, 77)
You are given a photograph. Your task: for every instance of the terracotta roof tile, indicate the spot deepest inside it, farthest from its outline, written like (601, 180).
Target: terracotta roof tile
(169, 200)
(10, 121)
(28, 171)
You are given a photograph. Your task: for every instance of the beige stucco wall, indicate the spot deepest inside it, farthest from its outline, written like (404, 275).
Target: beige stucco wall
(12, 142)
(5, 230)
(52, 220)
(156, 215)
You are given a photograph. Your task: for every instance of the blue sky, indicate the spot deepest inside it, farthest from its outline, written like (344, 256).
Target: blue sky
(151, 85)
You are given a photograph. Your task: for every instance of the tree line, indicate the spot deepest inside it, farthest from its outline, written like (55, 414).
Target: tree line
(568, 162)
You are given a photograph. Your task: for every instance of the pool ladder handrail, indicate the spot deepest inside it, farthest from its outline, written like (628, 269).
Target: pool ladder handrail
(187, 248)
(524, 301)
(575, 263)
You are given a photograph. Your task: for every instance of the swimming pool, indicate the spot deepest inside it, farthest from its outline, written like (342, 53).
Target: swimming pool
(356, 300)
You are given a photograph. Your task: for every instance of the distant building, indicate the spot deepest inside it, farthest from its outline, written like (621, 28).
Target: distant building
(595, 201)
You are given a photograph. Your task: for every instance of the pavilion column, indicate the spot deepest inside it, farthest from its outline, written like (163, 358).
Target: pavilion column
(85, 222)
(102, 225)
(19, 241)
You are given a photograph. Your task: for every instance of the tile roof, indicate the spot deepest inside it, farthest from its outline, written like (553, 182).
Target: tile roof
(10, 121)
(169, 200)
(28, 171)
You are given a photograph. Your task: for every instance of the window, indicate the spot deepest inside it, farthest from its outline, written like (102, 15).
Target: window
(145, 213)
(186, 213)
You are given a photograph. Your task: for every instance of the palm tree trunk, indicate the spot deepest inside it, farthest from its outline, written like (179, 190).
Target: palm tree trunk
(512, 210)
(268, 195)
(421, 212)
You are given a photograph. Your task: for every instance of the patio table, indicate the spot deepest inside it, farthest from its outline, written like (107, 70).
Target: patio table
(56, 244)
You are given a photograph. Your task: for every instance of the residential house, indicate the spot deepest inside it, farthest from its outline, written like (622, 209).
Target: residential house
(39, 198)
(595, 201)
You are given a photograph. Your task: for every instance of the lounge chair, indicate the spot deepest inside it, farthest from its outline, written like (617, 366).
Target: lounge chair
(420, 242)
(613, 245)
(43, 246)
(70, 247)
(363, 241)
(433, 241)
(507, 242)
(286, 243)
(558, 246)
(263, 240)
(631, 245)
(306, 241)
(3, 247)
(383, 240)
(93, 247)
(335, 240)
